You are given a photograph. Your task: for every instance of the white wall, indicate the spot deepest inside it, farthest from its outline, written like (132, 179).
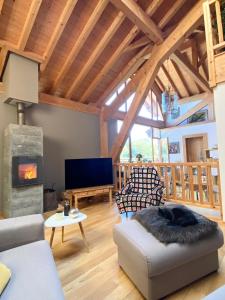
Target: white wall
(176, 135)
(219, 98)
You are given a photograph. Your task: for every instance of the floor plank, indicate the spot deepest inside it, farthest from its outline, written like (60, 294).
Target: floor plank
(96, 275)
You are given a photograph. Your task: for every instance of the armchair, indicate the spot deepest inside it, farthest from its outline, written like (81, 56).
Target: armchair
(143, 189)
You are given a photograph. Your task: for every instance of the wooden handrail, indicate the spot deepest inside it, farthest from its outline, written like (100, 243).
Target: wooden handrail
(195, 183)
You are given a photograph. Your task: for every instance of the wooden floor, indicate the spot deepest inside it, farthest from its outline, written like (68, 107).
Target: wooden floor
(96, 275)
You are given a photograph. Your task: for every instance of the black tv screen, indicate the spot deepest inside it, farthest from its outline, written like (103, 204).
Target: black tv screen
(88, 172)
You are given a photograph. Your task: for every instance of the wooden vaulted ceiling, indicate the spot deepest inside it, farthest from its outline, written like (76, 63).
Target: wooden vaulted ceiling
(87, 47)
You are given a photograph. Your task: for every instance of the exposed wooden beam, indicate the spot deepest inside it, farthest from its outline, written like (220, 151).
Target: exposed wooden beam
(157, 91)
(119, 51)
(181, 76)
(170, 13)
(201, 61)
(189, 113)
(2, 88)
(84, 34)
(121, 98)
(167, 74)
(104, 146)
(160, 83)
(181, 60)
(3, 58)
(1, 6)
(161, 52)
(96, 53)
(59, 28)
(155, 4)
(120, 115)
(68, 104)
(31, 17)
(127, 71)
(196, 97)
(139, 17)
(143, 41)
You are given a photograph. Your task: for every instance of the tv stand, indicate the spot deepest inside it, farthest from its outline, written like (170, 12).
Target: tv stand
(76, 194)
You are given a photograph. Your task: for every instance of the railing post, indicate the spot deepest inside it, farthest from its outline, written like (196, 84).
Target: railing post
(209, 43)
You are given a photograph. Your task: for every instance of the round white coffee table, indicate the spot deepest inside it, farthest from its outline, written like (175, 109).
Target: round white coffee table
(59, 220)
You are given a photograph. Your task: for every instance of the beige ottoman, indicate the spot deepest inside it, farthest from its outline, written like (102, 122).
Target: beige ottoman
(158, 269)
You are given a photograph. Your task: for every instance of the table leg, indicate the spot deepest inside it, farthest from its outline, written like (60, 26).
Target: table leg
(52, 236)
(83, 235)
(110, 196)
(75, 201)
(62, 234)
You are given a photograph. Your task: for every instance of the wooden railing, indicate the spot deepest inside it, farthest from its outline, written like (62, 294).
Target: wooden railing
(215, 42)
(194, 183)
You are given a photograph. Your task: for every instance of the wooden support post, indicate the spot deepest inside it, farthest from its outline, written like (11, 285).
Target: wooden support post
(209, 44)
(219, 21)
(209, 186)
(200, 190)
(191, 184)
(103, 136)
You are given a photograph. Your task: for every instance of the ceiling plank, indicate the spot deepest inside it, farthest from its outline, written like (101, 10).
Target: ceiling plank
(181, 76)
(68, 104)
(171, 13)
(31, 17)
(189, 113)
(167, 74)
(150, 69)
(139, 17)
(84, 34)
(181, 60)
(143, 41)
(96, 53)
(119, 51)
(127, 71)
(59, 28)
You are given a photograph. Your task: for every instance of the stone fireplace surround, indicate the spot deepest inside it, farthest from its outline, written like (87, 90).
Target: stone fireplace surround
(21, 140)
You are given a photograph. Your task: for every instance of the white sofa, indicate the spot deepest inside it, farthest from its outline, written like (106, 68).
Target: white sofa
(29, 257)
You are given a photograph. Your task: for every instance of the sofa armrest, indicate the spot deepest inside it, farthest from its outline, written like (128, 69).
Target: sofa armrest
(19, 231)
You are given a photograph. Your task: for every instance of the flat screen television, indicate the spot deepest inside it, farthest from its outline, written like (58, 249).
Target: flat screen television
(88, 172)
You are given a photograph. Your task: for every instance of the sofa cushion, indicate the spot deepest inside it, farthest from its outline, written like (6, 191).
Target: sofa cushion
(34, 275)
(144, 179)
(161, 257)
(5, 275)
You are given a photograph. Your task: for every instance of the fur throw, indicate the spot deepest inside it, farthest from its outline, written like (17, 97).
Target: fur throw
(175, 224)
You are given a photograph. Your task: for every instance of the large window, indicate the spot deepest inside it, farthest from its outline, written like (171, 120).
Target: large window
(141, 139)
(145, 141)
(141, 143)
